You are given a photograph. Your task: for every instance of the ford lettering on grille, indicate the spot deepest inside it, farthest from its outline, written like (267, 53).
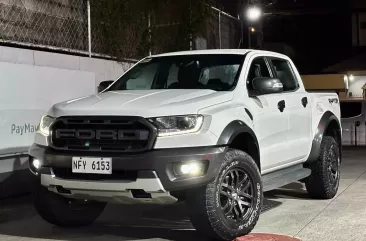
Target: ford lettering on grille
(102, 134)
(125, 135)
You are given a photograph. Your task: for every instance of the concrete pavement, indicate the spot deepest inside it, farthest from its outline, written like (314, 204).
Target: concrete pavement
(286, 211)
(340, 219)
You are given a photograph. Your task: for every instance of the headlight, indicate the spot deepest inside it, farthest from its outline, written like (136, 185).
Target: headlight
(44, 125)
(177, 125)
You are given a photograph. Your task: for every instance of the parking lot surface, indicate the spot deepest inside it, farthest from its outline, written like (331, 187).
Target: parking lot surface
(287, 211)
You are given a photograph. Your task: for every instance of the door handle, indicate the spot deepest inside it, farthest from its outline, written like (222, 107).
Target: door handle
(281, 105)
(304, 101)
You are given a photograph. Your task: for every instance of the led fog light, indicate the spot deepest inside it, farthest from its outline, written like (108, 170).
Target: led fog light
(189, 169)
(36, 163)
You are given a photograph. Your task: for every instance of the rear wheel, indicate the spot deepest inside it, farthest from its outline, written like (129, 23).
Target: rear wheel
(65, 212)
(230, 205)
(324, 180)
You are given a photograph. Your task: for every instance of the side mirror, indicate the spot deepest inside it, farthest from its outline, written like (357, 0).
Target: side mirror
(266, 85)
(104, 85)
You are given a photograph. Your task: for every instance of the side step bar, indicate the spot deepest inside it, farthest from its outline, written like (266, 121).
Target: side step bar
(283, 177)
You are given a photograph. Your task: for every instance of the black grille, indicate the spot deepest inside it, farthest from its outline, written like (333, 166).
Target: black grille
(108, 134)
(66, 173)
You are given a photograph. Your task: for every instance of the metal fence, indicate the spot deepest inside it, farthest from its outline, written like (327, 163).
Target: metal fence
(90, 26)
(228, 30)
(44, 23)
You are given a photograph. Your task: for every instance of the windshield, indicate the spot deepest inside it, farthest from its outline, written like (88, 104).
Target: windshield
(216, 72)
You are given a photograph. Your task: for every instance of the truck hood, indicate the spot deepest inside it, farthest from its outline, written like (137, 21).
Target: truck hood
(145, 103)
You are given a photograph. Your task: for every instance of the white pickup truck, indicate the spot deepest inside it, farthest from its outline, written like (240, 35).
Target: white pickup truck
(215, 128)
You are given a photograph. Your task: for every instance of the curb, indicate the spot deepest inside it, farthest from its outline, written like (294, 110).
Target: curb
(265, 237)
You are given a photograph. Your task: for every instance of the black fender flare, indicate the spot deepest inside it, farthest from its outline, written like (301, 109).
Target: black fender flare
(232, 130)
(319, 133)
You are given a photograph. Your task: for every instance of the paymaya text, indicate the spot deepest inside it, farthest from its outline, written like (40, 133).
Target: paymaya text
(23, 129)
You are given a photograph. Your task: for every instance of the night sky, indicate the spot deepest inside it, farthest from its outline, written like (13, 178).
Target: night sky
(318, 30)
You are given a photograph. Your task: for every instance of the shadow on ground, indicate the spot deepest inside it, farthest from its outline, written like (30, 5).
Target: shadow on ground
(294, 190)
(19, 219)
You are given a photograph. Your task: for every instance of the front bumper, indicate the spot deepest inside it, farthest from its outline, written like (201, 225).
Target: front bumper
(155, 175)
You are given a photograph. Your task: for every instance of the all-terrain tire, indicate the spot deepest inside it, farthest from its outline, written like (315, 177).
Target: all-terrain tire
(205, 204)
(323, 182)
(57, 209)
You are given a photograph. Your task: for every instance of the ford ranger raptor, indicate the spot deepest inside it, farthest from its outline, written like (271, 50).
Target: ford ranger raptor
(215, 128)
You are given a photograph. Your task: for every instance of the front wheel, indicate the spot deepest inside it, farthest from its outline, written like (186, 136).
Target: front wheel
(323, 182)
(65, 212)
(230, 205)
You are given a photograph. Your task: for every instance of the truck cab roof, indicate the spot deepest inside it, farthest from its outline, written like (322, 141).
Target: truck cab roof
(218, 51)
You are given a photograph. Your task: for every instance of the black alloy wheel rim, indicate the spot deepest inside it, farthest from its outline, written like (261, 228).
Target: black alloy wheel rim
(236, 195)
(333, 165)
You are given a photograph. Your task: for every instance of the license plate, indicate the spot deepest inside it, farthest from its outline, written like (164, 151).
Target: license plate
(95, 165)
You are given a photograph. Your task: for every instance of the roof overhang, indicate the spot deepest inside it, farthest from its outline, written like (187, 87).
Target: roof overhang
(336, 82)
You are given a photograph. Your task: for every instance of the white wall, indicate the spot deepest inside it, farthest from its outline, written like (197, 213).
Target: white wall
(30, 82)
(103, 69)
(356, 84)
(27, 92)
